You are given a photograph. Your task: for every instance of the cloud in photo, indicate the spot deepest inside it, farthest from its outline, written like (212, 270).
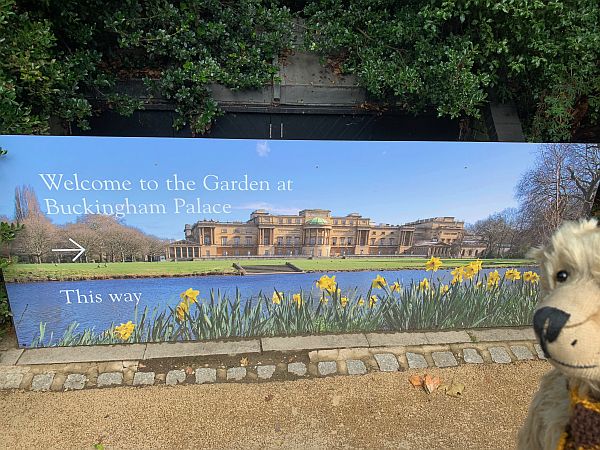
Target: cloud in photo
(263, 149)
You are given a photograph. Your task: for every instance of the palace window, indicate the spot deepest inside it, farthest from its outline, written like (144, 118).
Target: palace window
(236, 241)
(223, 241)
(335, 221)
(391, 241)
(333, 241)
(289, 220)
(280, 240)
(349, 241)
(223, 230)
(342, 241)
(280, 220)
(288, 240)
(373, 241)
(248, 240)
(207, 240)
(297, 240)
(343, 222)
(381, 241)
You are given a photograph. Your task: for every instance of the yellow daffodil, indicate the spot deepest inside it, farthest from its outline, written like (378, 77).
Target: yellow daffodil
(512, 275)
(477, 265)
(190, 294)
(124, 330)
(326, 283)
(493, 279)
(373, 301)
(424, 285)
(361, 301)
(344, 301)
(277, 296)
(531, 277)
(297, 298)
(395, 287)
(444, 288)
(479, 284)
(182, 309)
(469, 271)
(458, 274)
(378, 282)
(433, 264)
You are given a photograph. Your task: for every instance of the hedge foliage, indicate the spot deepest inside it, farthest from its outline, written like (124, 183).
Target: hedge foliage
(60, 59)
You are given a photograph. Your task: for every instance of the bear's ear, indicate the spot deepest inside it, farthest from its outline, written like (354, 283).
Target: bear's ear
(536, 253)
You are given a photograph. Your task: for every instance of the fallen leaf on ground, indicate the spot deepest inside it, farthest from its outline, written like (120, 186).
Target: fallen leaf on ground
(244, 361)
(431, 383)
(268, 398)
(455, 389)
(416, 380)
(189, 370)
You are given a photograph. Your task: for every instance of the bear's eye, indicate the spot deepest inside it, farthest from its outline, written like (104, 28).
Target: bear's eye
(561, 276)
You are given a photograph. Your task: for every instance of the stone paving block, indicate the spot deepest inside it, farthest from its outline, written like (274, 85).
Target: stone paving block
(175, 377)
(206, 375)
(85, 353)
(327, 368)
(297, 368)
(500, 355)
(333, 341)
(10, 357)
(471, 356)
(444, 359)
(236, 373)
(503, 334)
(416, 360)
(356, 367)
(75, 381)
(521, 352)
(109, 379)
(539, 351)
(447, 337)
(265, 372)
(387, 362)
(42, 381)
(143, 378)
(185, 349)
(10, 380)
(396, 339)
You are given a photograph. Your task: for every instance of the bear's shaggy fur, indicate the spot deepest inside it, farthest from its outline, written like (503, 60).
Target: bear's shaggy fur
(574, 347)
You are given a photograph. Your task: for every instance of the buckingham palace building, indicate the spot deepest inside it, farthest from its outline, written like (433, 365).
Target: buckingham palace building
(316, 233)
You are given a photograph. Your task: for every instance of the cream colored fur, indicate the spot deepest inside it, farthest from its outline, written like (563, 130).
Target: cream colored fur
(575, 354)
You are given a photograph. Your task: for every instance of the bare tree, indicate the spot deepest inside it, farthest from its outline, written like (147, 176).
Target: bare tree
(583, 165)
(26, 203)
(36, 238)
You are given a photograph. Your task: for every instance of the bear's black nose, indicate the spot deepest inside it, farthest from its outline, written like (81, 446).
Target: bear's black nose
(547, 324)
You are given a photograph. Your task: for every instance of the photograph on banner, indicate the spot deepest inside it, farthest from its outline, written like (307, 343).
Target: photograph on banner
(128, 240)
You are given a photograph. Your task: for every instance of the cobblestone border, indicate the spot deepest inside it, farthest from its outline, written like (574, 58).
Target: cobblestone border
(404, 351)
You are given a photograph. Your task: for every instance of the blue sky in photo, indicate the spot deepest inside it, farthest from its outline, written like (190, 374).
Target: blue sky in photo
(389, 182)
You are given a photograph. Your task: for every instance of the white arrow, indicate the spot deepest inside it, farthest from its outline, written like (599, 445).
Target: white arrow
(79, 249)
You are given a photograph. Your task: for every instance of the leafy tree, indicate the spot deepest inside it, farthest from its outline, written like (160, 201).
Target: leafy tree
(446, 55)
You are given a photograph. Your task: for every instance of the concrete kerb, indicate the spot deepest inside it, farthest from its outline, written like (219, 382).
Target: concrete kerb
(351, 354)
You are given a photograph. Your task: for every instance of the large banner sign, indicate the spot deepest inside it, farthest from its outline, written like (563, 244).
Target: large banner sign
(136, 240)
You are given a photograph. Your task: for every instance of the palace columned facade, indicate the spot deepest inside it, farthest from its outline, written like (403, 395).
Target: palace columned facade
(312, 232)
(316, 233)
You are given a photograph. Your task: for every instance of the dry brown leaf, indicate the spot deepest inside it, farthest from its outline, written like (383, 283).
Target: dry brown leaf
(455, 390)
(244, 361)
(416, 380)
(189, 370)
(431, 383)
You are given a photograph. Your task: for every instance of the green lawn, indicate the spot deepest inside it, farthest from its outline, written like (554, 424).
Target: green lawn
(73, 271)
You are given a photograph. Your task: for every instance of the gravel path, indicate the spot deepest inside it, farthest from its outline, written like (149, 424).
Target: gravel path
(379, 410)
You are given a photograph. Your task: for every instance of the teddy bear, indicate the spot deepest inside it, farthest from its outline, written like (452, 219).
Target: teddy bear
(565, 412)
